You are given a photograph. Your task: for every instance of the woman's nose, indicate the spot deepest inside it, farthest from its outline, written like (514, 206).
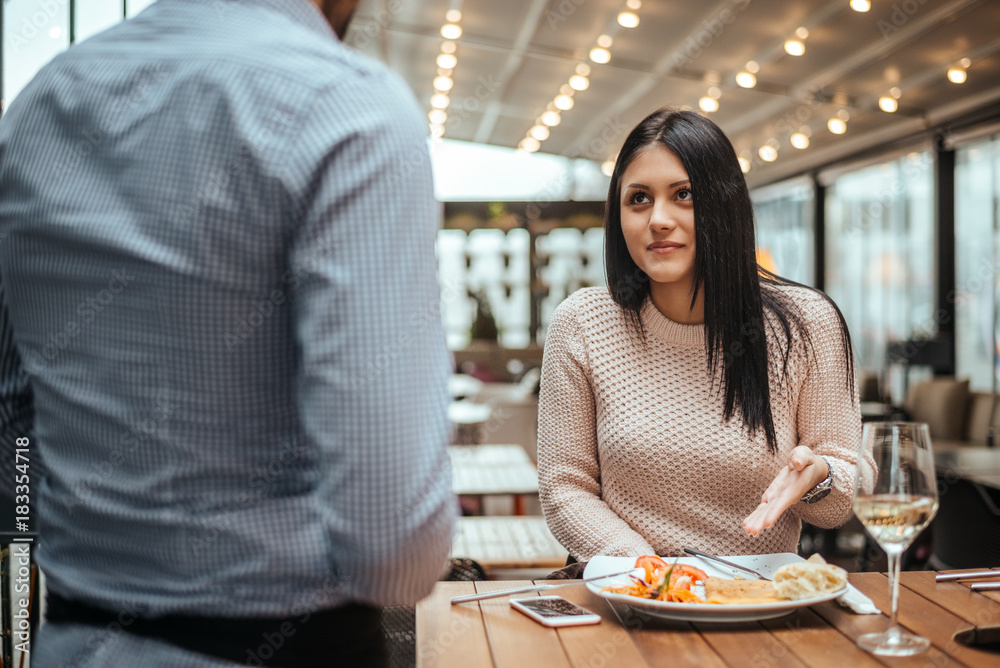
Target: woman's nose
(661, 218)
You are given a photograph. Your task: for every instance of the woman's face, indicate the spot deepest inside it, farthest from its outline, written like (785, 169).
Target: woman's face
(657, 214)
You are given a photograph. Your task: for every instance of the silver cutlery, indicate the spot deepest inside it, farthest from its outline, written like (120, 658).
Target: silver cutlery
(541, 587)
(968, 575)
(712, 557)
(985, 586)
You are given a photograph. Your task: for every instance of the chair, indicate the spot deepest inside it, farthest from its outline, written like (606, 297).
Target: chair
(966, 531)
(399, 622)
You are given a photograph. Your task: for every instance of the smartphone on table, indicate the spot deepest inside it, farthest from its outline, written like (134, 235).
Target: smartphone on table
(554, 611)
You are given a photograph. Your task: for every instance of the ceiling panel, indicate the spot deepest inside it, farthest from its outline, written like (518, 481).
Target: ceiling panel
(514, 56)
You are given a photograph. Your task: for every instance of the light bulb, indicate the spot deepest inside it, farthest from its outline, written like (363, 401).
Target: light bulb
(956, 75)
(440, 101)
(861, 5)
(550, 118)
(801, 32)
(628, 19)
(539, 132)
(888, 104)
(453, 16)
(746, 80)
(767, 153)
(443, 84)
(633, 4)
(600, 55)
(576, 82)
(744, 164)
(437, 131)
(437, 116)
(451, 31)
(564, 102)
(447, 61)
(794, 47)
(448, 47)
(529, 144)
(837, 126)
(605, 41)
(708, 104)
(799, 140)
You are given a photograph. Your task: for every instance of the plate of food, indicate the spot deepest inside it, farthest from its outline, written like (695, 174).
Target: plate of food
(691, 589)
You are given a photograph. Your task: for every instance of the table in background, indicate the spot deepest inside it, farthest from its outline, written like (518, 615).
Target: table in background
(481, 470)
(489, 634)
(508, 542)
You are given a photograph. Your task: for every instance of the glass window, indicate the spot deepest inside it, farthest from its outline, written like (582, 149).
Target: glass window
(133, 7)
(34, 32)
(94, 16)
(977, 232)
(785, 224)
(880, 265)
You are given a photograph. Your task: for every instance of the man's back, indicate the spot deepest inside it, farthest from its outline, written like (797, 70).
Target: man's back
(218, 265)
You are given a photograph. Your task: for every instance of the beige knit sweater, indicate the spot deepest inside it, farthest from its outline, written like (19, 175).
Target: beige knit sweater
(634, 456)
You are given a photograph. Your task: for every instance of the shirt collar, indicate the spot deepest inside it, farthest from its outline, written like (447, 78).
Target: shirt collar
(303, 12)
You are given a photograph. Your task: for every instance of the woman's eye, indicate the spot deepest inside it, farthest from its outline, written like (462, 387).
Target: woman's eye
(684, 195)
(638, 198)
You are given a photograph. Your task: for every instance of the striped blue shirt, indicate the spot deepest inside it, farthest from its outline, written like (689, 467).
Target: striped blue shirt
(217, 234)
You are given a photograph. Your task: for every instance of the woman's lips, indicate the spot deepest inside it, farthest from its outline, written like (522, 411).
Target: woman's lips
(664, 247)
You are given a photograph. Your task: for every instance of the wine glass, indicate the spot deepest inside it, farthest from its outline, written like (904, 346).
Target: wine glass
(895, 503)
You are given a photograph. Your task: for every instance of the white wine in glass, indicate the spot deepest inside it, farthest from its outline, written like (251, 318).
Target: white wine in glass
(895, 506)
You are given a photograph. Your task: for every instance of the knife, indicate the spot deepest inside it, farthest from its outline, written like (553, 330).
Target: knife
(968, 575)
(712, 557)
(542, 587)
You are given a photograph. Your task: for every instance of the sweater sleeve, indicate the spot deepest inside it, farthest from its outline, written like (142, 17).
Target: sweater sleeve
(829, 415)
(569, 473)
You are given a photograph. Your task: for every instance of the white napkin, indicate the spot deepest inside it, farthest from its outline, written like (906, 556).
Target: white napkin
(857, 602)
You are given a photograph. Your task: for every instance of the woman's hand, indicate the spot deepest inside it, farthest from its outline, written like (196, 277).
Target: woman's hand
(805, 470)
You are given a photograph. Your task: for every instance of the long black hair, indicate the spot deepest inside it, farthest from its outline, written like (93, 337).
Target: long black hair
(736, 289)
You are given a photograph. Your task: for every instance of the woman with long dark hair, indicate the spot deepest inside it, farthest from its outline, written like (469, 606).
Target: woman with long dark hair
(699, 400)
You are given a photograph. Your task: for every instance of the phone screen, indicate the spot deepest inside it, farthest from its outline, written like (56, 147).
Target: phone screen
(553, 607)
(554, 611)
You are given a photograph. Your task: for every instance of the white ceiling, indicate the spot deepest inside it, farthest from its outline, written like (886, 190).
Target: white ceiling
(514, 55)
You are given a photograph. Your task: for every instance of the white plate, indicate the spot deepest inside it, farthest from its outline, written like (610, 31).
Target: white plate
(765, 564)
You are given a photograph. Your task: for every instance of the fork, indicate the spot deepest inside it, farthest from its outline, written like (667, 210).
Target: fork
(712, 557)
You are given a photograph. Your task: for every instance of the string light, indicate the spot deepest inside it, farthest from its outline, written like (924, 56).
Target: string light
(447, 61)
(600, 55)
(888, 104)
(745, 164)
(799, 140)
(836, 125)
(578, 82)
(767, 153)
(539, 132)
(746, 80)
(550, 118)
(708, 104)
(794, 47)
(563, 102)
(453, 16)
(861, 5)
(628, 19)
(529, 144)
(437, 116)
(957, 74)
(443, 84)
(451, 31)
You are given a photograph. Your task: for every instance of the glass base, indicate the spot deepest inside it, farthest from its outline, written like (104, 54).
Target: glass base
(893, 642)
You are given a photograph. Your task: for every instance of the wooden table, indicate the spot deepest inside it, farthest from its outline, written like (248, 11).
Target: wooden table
(481, 470)
(508, 542)
(489, 634)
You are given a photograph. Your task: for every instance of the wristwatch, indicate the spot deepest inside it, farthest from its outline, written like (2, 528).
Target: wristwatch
(823, 488)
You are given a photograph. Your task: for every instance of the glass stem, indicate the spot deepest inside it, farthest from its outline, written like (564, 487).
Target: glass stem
(894, 557)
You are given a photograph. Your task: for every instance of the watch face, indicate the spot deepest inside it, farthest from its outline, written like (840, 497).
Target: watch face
(818, 492)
